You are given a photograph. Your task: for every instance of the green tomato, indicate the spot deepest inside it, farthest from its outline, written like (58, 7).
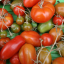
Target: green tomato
(34, 24)
(44, 27)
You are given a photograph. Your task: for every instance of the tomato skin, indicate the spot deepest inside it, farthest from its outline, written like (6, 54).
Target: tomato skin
(4, 11)
(57, 19)
(59, 9)
(59, 60)
(47, 39)
(54, 34)
(51, 1)
(30, 3)
(31, 37)
(2, 62)
(44, 14)
(3, 41)
(27, 54)
(12, 47)
(19, 10)
(15, 59)
(8, 22)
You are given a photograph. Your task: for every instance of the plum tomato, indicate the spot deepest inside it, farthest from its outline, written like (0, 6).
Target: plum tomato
(31, 37)
(19, 10)
(59, 60)
(57, 19)
(27, 54)
(30, 3)
(47, 39)
(54, 32)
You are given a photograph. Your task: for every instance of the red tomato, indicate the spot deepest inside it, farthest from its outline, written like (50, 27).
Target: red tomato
(31, 37)
(54, 34)
(27, 54)
(7, 22)
(59, 60)
(43, 14)
(3, 41)
(51, 1)
(4, 11)
(57, 19)
(30, 3)
(47, 39)
(19, 10)
(2, 62)
(12, 47)
(15, 59)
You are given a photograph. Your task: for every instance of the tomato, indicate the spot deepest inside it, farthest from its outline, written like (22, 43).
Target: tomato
(27, 54)
(42, 14)
(57, 19)
(15, 59)
(2, 62)
(31, 37)
(47, 39)
(12, 47)
(27, 18)
(48, 25)
(43, 55)
(30, 3)
(54, 34)
(3, 34)
(60, 45)
(16, 3)
(59, 60)
(3, 41)
(20, 20)
(59, 9)
(27, 26)
(4, 11)
(19, 10)
(51, 1)
(15, 28)
(7, 22)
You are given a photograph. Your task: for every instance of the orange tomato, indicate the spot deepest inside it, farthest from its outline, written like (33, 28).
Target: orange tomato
(44, 14)
(54, 34)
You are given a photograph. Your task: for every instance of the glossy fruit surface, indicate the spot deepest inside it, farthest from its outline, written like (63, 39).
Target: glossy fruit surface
(27, 54)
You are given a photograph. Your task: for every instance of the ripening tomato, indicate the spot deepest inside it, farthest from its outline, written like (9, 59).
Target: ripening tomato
(59, 9)
(19, 10)
(54, 32)
(3, 41)
(42, 14)
(51, 1)
(27, 54)
(30, 3)
(47, 39)
(57, 19)
(6, 22)
(31, 37)
(59, 60)
(15, 59)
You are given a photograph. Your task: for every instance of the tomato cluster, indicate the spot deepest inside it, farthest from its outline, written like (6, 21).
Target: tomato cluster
(38, 26)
